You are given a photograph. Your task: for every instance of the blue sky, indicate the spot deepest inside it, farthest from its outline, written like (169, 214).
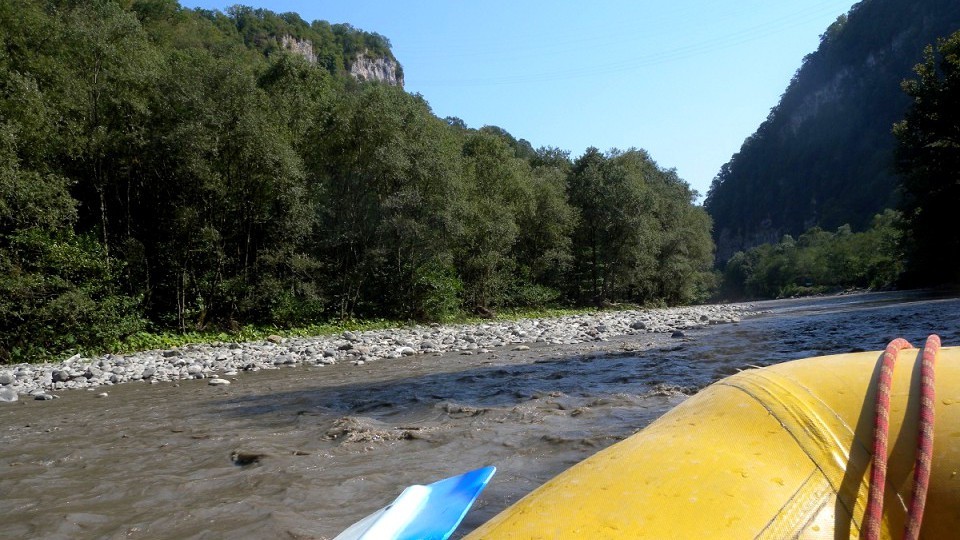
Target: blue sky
(687, 80)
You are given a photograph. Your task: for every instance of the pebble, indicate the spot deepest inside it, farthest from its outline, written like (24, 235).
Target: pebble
(357, 348)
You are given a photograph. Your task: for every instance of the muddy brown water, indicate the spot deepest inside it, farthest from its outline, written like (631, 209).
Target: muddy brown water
(305, 452)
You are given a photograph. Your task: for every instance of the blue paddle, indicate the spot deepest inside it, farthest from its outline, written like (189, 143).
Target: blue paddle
(430, 512)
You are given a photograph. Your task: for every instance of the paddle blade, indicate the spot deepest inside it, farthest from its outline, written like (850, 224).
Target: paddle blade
(430, 512)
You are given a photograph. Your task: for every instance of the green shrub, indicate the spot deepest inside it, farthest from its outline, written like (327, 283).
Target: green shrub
(57, 297)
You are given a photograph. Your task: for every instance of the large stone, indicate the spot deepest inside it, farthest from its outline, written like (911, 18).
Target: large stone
(6, 378)
(8, 395)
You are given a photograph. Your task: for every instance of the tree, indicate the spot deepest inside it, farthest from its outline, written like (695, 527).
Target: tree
(546, 223)
(386, 173)
(617, 245)
(56, 289)
(497, 185)
(110, 63)
(928, 159)
(227, 188)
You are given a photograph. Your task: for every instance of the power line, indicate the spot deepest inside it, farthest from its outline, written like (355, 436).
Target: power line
(794, 19)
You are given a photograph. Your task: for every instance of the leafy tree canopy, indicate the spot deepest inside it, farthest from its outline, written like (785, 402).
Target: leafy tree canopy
(928, 157)
(172, 169)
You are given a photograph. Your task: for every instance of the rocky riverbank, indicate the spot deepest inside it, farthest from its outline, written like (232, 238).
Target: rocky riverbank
(220, 362)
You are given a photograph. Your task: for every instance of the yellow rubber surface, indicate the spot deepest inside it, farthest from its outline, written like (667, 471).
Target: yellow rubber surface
(778, 452)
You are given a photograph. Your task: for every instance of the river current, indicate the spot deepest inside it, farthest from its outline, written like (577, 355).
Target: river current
(304, 452)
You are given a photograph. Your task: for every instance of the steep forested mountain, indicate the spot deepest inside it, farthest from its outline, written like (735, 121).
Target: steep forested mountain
(167, 169)
(824, 155)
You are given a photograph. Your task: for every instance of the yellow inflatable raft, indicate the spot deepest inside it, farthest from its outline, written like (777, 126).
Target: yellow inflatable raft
(778, 452)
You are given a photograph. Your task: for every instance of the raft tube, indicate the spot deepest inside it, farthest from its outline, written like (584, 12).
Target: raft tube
(777, 452)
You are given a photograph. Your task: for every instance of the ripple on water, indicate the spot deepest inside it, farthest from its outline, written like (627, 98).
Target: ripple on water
(335, 443)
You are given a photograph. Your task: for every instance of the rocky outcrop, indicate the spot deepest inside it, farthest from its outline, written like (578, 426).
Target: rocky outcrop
(302, 47)
(386, 70)
(366, 67)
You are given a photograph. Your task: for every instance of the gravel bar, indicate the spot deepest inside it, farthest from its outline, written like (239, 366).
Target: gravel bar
(218, 362)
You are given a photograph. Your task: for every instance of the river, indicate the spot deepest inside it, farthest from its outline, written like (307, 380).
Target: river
(304, 452)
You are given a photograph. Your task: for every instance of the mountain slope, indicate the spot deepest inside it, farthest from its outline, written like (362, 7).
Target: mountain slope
(824, 154)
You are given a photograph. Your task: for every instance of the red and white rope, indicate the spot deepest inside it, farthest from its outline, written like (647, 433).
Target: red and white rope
(881, 428)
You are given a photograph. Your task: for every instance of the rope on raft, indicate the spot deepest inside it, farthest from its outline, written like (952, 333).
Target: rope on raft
(881, 428)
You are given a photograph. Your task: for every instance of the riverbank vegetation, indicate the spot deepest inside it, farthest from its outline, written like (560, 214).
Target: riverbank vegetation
(173, 171)
(916, 246)
(172, 175)
(819, 262)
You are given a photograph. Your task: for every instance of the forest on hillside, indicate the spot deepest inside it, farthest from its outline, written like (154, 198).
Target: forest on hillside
(825, 155)
(917, 245)
(164, 168)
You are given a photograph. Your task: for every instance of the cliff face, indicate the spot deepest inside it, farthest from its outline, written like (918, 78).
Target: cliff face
(367, 68)
(824, 155)
(302, 47)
